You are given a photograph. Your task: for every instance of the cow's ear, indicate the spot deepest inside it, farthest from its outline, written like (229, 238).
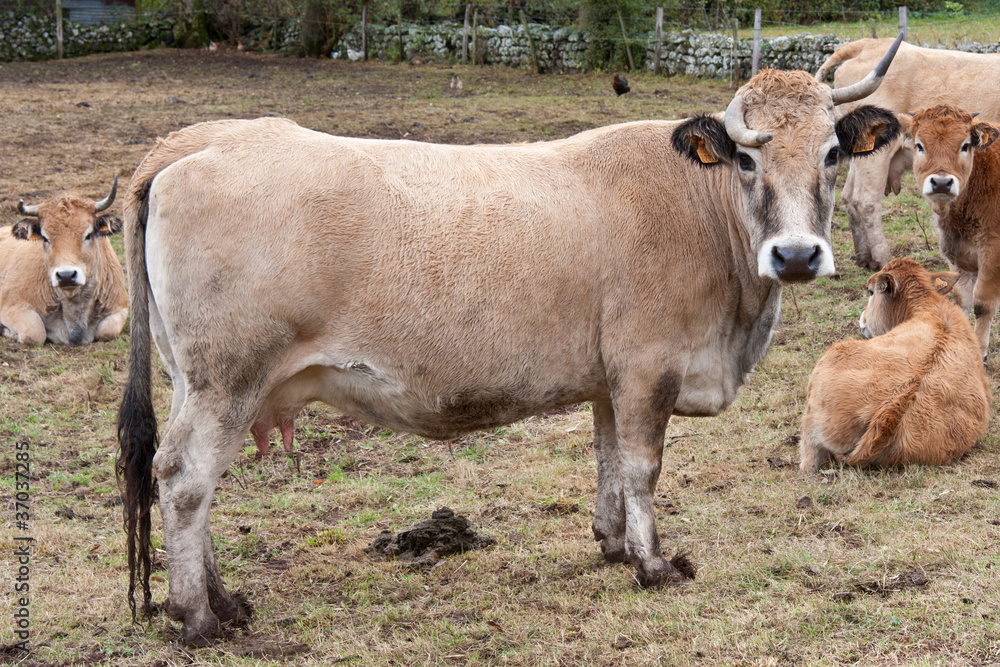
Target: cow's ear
(905, 121)
(887, 284)
(944, 281)
(27, 230)
(982, 135)
(867, 130)
(704, 140)
(106, 225)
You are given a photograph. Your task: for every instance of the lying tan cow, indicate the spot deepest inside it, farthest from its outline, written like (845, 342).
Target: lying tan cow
(442, 289)
(919, 78)
(916, 393)
(957, 165)
(60, 279)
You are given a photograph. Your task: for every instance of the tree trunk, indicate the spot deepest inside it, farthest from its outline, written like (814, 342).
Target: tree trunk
(314, 28)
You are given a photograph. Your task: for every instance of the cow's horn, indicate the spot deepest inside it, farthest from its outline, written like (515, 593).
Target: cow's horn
(870, 83)
(26, 210)
(736, 126)
(110, 199)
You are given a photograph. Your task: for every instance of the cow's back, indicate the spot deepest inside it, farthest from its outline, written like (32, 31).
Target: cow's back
(921, 77)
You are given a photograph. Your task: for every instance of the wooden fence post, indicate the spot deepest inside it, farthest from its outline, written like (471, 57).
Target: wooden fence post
(873, 28)
(531, 43)
(756, 43)
(902, 21)
(735, 69)
(475, 36)
(628, 51)
(59, 29)
(465, 34)
(364, 31)
(657, 63)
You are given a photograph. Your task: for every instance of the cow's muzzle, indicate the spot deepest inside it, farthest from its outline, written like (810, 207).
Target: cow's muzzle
(941, 184)
(68, 277)
(795, 264)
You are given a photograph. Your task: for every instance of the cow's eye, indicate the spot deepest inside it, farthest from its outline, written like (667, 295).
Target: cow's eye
(966, 146)
(746, 162)
(869, 291)
(832, 156)
(89, 236)
(919, 146)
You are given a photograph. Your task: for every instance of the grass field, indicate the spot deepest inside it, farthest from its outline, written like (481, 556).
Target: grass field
(875, 568)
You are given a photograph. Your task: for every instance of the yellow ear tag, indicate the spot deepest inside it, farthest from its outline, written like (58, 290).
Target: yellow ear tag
(704, 155)
(866, 146)
(938, 283)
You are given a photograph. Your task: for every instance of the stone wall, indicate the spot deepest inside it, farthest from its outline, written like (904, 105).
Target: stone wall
(559, 49)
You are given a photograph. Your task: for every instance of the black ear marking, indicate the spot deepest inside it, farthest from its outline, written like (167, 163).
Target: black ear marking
(867, 130)
(703, 140)
(106, 225)
(27, 230)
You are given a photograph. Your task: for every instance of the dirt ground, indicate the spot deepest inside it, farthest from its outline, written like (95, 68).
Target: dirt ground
(847, 567)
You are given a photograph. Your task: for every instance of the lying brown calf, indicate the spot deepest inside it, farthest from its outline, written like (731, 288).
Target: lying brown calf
(915, 393)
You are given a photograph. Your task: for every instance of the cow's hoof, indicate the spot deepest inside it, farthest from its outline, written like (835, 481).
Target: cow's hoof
(866, 261)
(236, 611)
(201, 634)
(657, 572)
(613, 550)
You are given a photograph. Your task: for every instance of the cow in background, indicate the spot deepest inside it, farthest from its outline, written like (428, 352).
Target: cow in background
(919, 78)
(916, 393)
(442, 289)
(957, 165)
(60, 279)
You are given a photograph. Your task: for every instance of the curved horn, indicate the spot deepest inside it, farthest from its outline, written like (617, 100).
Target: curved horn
(26, 210)
(870, 83)
(736, 126)
(110, 199)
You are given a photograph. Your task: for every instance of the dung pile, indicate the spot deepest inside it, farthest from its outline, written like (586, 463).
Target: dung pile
(431, 540)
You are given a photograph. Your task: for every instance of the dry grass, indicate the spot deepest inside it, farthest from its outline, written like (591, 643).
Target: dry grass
(878, 568)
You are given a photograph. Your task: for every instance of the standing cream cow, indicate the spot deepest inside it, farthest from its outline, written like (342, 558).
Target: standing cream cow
(919, 78)
(441, 289)
(60, 279)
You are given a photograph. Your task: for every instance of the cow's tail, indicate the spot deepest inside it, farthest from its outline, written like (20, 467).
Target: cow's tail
(883, 427)
(843, 52)
(137, 435)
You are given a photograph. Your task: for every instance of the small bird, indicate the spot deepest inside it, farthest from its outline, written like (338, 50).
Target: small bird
(620, 84)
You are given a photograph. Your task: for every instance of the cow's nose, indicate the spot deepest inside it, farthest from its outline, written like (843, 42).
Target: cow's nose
(796, 264)
(66, 278)
(941, 185)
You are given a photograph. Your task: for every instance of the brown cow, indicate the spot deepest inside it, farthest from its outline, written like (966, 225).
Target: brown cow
(915, 393)
(920, 77)
(60, 279)
(442, 289)
(957, 165)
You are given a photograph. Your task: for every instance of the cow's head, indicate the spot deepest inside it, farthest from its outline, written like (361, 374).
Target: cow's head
(945, 141)
(897, 292)
(69, 229)
(784, 170)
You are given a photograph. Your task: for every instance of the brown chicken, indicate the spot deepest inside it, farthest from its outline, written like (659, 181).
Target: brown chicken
(620, 84)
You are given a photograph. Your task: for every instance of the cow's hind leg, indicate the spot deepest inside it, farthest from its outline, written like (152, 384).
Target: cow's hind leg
(196, 449)
(986, 298)
(864, 208)
(609, 515)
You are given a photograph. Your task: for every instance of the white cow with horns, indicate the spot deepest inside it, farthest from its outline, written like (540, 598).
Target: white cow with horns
(442, 289)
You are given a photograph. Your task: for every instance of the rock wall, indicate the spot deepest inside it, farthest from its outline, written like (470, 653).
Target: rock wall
(688, 53)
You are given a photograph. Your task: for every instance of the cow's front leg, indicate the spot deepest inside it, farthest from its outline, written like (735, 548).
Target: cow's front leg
(112, 325)
(641, 414)
(986, 299)
(24, 325)
(609, 516)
